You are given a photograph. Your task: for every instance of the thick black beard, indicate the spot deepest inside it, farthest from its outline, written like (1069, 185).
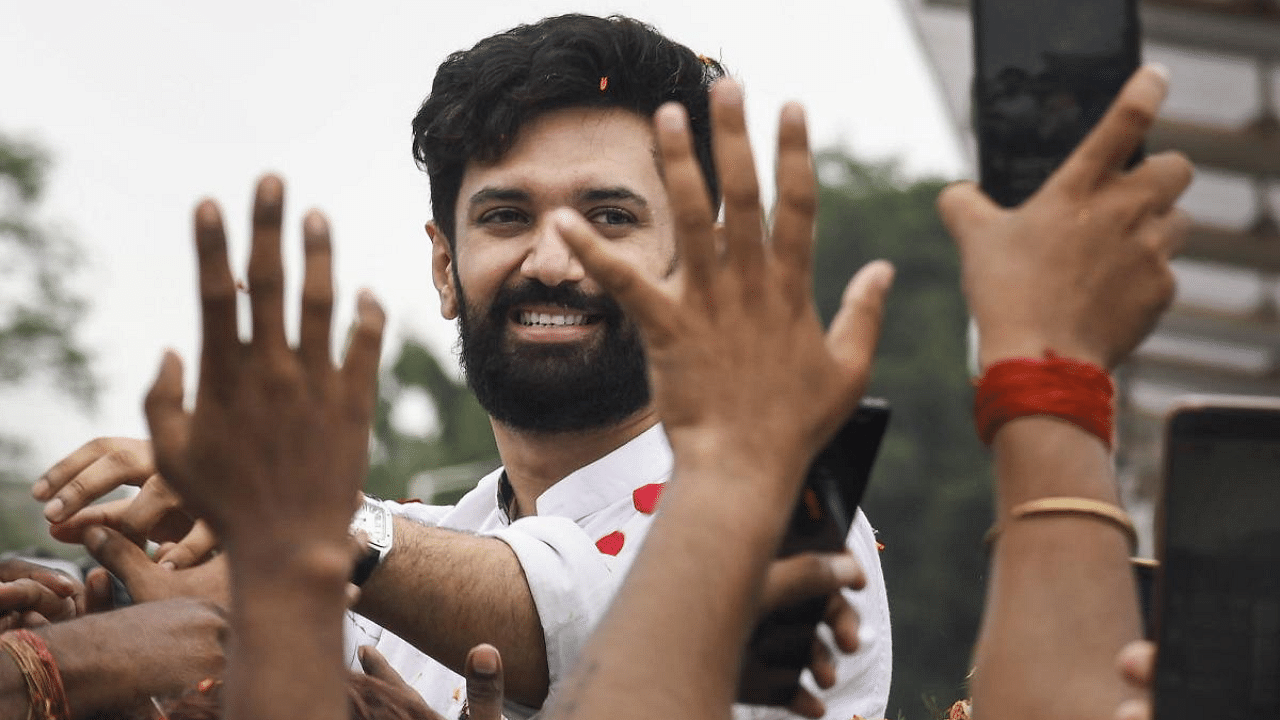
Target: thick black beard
(553, 388)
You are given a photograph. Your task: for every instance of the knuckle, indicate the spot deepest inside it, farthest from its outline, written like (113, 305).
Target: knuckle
(1136, 114)
(802, 199)
(123, 460)
(317, 299)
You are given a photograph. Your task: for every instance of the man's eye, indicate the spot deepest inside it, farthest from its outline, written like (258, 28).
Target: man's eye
(612, 216)
(502, 216)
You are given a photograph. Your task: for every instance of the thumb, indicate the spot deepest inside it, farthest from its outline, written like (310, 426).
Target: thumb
(484, 683)
(117, 554)
(856, 326)
(965, 210)
(803, 576)
(191, 550)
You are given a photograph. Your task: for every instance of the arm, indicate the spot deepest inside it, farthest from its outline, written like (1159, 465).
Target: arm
(271, 457)
(171, 646)
(672, 641)
(1082, 269)
(478, 584)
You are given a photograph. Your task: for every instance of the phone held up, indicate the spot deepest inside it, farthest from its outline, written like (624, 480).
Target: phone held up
(1045, 71)
(820, 522)
(1217, 598)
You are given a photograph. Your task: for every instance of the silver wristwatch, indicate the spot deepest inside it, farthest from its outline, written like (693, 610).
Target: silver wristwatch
(375, 521)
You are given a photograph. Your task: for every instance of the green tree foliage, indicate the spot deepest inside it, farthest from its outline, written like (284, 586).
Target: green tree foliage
(930, 493)
(39, 314)
(462, 434)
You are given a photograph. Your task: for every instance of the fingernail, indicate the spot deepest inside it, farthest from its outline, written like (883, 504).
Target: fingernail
(1160, 69)
(670, 119)
(40, 490)
(53, 510)
(729, 92)
(846, 568)
(793, 112)
(484, 663)
(314, 221)
(168, 565)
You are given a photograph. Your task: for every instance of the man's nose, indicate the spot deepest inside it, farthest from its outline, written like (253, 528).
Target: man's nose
(549, 260)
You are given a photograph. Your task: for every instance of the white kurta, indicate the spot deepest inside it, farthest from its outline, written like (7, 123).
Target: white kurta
(575, 552)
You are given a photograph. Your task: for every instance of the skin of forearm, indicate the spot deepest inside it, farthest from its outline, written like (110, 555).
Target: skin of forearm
(1061, 600)
(282, 611)
(689, 601)
(13, 690)
(445, 592)
(93, 676)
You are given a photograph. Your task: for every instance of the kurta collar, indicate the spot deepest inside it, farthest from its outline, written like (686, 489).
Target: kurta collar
(645, 459)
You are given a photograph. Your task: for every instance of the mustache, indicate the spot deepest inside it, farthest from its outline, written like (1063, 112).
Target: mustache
(570, 297)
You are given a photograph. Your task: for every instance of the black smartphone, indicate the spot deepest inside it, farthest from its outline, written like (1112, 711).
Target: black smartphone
(835, 483)
(820, 522)
(1217, 605)
(1045, 72)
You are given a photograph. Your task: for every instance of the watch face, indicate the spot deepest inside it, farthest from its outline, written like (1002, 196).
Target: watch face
(375, 521)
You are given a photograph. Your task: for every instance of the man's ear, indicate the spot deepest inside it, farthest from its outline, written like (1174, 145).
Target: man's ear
(442, 271)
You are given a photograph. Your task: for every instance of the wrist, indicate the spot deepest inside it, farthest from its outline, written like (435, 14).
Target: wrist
(1026, 447)
(992, 350)
(309, 565)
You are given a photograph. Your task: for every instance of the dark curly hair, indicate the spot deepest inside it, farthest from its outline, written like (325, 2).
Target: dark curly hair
(482, 97)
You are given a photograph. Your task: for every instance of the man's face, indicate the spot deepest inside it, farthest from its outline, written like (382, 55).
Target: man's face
(543, 348)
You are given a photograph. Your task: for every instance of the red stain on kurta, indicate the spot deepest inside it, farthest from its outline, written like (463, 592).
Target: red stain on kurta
(611, 544)
(646, 498)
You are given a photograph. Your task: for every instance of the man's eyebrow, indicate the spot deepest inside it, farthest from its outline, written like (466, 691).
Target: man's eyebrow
(612, 193)
(498, 194)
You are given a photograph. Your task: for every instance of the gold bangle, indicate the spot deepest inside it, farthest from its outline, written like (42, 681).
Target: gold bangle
(1085, 507)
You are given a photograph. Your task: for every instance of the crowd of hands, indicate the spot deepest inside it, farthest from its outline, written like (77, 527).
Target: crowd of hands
(249, 490)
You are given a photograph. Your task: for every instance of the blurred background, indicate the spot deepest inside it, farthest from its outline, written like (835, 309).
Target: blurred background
(119, 117)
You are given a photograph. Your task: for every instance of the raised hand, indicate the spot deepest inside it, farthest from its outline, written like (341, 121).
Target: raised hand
(737, 354)
(748, 387)
(1082, 267)
(276, 447)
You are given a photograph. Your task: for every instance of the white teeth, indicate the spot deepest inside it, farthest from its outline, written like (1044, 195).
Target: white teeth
(532, 318)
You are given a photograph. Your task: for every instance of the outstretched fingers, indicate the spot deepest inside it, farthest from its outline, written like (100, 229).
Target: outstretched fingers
(642, 300)
(220, 338)
(317, 293)
(687, 193)
(855, 330)
(797, 208)
(736, 168)
(360, 368)
(266, 269)
(166, 417)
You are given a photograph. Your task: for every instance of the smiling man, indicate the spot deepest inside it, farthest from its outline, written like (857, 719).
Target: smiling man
(544, 117)
(528, 123)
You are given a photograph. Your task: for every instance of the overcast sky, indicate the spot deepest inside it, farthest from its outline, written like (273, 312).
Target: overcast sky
(149, 106)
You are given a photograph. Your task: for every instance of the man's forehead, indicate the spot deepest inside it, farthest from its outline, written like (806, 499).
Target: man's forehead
(574, 152)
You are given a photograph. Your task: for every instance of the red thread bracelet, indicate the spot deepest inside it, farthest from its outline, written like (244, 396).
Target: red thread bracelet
(45, 693)
(1079, 392)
